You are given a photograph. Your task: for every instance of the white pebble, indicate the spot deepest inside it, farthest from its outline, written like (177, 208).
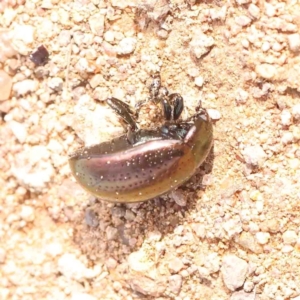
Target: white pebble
(254, 155)
(234, 271)
(19, 130)
(179, 197)
(25, 86)
(82, 296)
(242, 2)
(242, 20)
(287, 138)
(109, 36)
(96, 23)
(241, 96)
(265, 46)
(289, 237)
(296, 112)
(287, 249)
(254, 10)
(266, 71)
(56, 84)
(23, 38)
(294, 42)
(71, 267)
(214, 114)
(286, 117)
(5, 85)
(27, 213)
(262, 237)
(199, 81)
(127, 46)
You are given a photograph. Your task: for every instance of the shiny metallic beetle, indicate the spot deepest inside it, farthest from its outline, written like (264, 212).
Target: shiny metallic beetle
(145, 163)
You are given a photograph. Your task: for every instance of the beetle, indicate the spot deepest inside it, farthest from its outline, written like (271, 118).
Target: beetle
(145, 163)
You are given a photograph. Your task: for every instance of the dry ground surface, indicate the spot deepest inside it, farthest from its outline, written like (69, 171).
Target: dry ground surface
(232, 232)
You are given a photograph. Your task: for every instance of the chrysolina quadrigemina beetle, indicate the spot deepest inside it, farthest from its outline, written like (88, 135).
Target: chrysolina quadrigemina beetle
(145, 163)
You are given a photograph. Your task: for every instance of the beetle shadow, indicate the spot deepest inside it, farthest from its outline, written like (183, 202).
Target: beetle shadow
(106, 230)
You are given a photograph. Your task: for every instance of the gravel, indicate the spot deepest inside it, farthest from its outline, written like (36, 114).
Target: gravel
(5, 85)
(234, 271)
(254, 155)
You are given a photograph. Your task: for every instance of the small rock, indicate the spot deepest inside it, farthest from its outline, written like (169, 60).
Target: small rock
(96, 23)
(54, 249)
(23, 87)
(201, 45)
(109, 36)
(289, 237)
(294, 42)
(56, 84)
(118, 212)
(147, 286)
(91, 218)
(286, 118)
(138, 261)
(212, 263)
(82, 296)
(5, 85)
(23, 38)
(71, 267)
(179, 197)
(199, 230)
(272, 225)
(262, 237)
(233, 227)
(214, 114)
(234, 271)
(111, 263)
(129, 215)
(27, 213)
(254, 10)
(248, 286)
(40, 56)
(175, 283)
(287, 138)
(247, 241)
(266, 71)
(241, 96)
(19, 130)
(175, 265)
(287, 249)
(254, 155)
(241, 295)
(64, 38)
(296, 112)
(111, 233)
(207, 179)
(96, 80)
(127, 46)
(242, 20)
(154, 236)
(101, 93)
(162, 34)
(199, 81)
(2, 255)
(242, 2)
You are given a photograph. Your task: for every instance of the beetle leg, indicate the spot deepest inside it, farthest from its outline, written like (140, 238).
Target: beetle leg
(155, 87)
(139, 106)
(167, 109)
(202, 113)
(177, 102)
(123, 110)
(131, 136)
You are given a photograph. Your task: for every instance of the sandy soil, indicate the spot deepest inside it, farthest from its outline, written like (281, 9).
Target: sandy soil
(232, 232)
